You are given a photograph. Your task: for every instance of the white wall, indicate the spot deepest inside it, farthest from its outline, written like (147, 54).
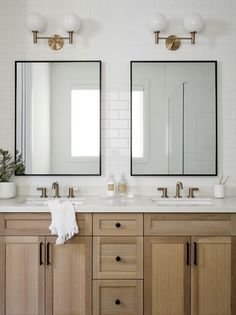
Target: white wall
(116, 32)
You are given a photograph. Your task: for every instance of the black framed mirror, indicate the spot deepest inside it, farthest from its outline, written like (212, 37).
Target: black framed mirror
(173, 118)
(58, 116)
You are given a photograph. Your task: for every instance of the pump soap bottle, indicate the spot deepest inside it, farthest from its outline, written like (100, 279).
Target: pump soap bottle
(122, 186)
(111, 187)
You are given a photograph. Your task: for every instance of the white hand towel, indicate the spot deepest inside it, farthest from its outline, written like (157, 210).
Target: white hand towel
(63, 220)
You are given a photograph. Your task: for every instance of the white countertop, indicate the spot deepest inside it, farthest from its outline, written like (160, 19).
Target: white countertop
(135, 204)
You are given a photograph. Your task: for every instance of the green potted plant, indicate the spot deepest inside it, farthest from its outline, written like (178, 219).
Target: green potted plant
(9, 167)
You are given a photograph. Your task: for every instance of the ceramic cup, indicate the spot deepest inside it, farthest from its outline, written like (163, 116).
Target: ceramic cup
(219, 191)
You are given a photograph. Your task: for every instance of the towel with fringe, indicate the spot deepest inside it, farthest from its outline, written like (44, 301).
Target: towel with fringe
(63, 220)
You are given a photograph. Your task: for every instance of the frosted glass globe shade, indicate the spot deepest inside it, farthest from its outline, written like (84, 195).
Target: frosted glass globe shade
(193, 23)
(35, 22)
(71, 22)
(159, 23)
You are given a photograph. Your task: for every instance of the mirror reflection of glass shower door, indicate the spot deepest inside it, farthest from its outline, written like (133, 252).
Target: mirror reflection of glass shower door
(176, 131)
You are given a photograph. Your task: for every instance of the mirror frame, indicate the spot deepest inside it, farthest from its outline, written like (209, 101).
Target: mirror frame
(99, 62)
(216, 119)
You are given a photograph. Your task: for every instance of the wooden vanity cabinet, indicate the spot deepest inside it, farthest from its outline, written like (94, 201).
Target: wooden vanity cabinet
(41, 278)
(205, 253)
(174, 264)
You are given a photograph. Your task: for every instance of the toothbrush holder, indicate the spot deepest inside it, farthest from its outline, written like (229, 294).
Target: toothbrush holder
(219, 191)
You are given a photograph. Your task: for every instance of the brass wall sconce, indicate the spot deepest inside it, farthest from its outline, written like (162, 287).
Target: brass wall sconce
(36, 23)
(192, 24)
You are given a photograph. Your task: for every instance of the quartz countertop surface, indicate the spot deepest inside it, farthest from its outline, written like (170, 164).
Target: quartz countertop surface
(131, 204)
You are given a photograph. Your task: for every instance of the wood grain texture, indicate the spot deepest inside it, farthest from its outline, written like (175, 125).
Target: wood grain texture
(130, 224)
(130, 251)
(128, 292)
(2, 275)
(69, 277)
(187, 224)
(38, 223)
(211, 277)
(233, 275)
(166, 276)
(2, 226)
(24, 276)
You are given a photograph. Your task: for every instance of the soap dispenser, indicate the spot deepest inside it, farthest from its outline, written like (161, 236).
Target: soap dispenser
(111, 186)
(122, 186)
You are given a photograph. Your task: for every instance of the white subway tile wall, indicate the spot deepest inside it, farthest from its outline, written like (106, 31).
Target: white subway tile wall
(117, 32)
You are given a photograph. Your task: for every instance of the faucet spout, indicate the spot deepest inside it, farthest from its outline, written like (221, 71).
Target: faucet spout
(179, 186)
(55, 189)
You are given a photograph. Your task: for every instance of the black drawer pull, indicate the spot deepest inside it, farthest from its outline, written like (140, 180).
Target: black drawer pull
(118, 258)
(40, 254)
(188, 254)
(195, 253)
(117, 302)
(48, 253)
(118, 225)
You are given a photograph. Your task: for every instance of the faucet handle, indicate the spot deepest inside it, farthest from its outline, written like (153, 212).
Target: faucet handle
(43, 192)
(191, 192)
(164, 192)
(71, 191)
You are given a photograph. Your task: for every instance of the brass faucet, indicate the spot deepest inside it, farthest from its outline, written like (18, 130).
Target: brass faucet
(55, 189)
(179, 186)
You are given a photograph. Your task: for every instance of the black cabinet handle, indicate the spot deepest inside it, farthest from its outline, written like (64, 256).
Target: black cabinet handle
(118, 225)
(118, 258)
(40, 253)
(188, 254)
(117, 302)
(48, 253)
(195, 253)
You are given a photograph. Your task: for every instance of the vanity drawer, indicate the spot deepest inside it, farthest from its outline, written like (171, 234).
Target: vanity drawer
(118, 257)
(38, 223)
(188, 224)
(118, 224)
(117, 297)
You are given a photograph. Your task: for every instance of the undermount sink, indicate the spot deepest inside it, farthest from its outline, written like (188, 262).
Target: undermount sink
(43, 202)
(182, 201)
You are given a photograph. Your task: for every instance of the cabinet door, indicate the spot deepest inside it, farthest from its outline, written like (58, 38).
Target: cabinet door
(167, 276)
(211, 276)
(22, 264)
(69, 277)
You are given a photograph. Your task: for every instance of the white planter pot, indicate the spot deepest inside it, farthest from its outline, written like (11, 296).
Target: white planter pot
(7, 190)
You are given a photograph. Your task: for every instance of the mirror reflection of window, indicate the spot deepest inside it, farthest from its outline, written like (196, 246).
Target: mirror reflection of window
(84, 108)
(137, 124)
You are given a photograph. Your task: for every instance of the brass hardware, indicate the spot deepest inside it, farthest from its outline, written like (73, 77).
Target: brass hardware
(164, 192)
(71, 193)
(55, 42)
(191, 192)
(43, 192)
(55, 189)
(173, 42)
(179, 186)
